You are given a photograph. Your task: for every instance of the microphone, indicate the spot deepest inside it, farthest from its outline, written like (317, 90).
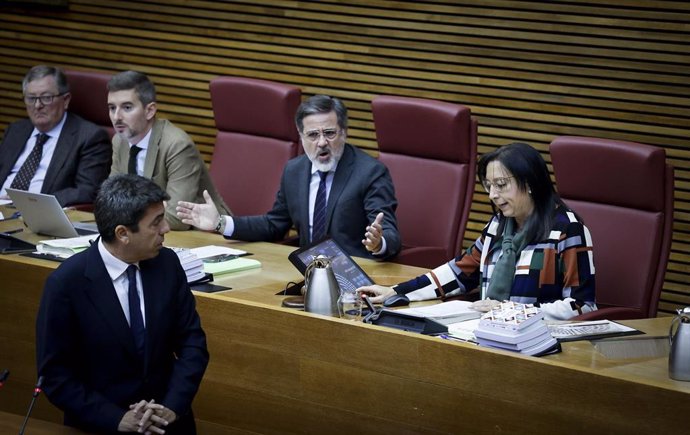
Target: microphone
(37, 391)
(3, 377)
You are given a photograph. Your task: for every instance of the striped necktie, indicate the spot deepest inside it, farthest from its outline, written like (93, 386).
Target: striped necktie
(319, 222)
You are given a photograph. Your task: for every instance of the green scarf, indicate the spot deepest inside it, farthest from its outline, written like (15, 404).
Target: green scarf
(504, 270)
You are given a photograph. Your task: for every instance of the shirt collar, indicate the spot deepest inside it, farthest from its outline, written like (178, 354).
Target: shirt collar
(55, 131)
(115, 267)
(144, 142)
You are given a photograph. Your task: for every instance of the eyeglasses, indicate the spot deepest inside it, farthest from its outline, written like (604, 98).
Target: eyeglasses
(500, 185)
(44, 99)
(328, 134)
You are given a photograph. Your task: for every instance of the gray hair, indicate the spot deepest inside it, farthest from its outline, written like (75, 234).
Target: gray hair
(321, 104)
(39, 71)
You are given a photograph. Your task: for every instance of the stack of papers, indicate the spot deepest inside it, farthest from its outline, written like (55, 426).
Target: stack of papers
(516, 327)
(192, 265)
(231, 265)
(65, 248)
(589, 330)
(218, 260)
(446, 312)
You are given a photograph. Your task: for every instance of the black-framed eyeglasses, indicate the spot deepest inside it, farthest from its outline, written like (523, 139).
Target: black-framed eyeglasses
(499, 184)
(44, 99)
(328, 134)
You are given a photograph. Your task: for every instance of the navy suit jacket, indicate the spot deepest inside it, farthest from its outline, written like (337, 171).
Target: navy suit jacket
(85, 347)
(80, 163)
(362, 187)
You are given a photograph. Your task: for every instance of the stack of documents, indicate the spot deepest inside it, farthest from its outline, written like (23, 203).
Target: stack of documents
(516, 327)
(445, 313)
(192, 265)
(65, 248)
(218, 260)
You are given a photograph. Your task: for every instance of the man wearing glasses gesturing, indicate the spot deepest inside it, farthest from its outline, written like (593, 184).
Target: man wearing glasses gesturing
(333, 190)
(53, 151)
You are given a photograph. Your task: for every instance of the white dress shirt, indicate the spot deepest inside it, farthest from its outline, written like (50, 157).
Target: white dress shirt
(48, 150)
(117, 270)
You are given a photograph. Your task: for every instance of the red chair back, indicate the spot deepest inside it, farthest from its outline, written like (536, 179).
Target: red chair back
(430, 149)
(256, 137)
(90, 97)
(624, 193)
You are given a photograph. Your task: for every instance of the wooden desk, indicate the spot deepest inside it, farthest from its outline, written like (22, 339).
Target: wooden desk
(277, 370)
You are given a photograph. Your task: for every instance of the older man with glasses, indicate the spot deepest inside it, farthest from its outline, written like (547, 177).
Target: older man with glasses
(53, 151)
(333, 190)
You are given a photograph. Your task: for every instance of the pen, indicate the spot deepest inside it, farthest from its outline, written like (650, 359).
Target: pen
(18, 230)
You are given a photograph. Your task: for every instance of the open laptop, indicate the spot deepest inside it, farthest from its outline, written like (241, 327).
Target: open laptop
(43, 214)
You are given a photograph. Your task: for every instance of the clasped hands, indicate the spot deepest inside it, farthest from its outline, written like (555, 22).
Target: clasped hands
(147, 418)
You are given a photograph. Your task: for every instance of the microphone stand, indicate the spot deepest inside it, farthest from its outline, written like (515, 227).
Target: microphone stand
(37, 391)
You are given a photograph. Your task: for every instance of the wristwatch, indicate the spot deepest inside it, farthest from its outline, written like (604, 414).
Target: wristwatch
(220, 226)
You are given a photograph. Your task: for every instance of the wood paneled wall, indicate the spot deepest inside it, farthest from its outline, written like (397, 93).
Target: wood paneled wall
(529, 70)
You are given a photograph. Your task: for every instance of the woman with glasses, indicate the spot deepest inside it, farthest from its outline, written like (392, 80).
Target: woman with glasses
(533, 250)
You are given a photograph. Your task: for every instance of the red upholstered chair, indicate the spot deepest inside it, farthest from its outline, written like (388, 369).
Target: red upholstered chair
(624, 193)
(90, 97)
(256, 137)
(430, 149)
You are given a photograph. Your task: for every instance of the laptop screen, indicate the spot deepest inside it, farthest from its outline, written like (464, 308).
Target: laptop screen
(348, 273)
(42, 213)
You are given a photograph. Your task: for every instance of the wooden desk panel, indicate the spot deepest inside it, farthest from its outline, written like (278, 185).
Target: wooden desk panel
(278, 370)
(11, 423)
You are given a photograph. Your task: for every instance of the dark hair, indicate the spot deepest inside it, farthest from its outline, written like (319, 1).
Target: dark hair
(40, 71)
(530, 172)
(140, 82)
(123, 200)
(321, 104)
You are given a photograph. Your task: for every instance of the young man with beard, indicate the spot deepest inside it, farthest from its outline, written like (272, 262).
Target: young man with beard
(333, 189)
(155, 148)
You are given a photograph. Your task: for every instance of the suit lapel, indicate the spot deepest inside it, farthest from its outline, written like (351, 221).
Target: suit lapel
(13, 146)
(152, 152)
(340, 179)
(150, 278)
(302, 186)
(102, 295)
(62, 152)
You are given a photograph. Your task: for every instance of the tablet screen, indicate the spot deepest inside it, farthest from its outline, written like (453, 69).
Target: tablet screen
(348, 273)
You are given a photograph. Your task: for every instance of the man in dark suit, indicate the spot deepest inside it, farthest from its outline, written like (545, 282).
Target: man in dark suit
(333, 189)
(119, 342)
(53, 151)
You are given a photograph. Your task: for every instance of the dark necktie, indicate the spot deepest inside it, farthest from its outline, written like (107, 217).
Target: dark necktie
(136, 321)
(132, 164)
(319, 222)
(23, 178)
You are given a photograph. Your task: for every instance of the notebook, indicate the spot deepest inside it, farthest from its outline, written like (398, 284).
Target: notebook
(43, 214)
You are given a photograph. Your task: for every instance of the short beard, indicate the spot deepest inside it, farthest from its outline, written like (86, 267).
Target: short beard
(327, 167)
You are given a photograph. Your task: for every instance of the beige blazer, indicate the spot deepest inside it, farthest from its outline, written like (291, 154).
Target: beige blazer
(174, 163)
